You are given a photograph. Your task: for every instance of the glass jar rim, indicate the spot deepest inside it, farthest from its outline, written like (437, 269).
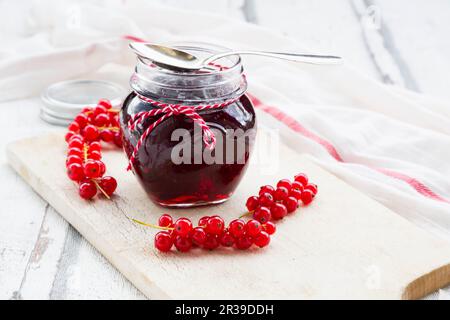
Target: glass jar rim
(197, 86)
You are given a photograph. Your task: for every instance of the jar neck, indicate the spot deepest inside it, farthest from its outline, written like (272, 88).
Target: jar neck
(190, 87)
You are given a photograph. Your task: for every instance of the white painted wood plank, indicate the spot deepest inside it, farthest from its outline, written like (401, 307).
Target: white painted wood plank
(40, 271)
(327, 26)
(22, 210)
(418, 32)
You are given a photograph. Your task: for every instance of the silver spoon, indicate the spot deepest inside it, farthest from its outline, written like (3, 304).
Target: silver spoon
(177, 59)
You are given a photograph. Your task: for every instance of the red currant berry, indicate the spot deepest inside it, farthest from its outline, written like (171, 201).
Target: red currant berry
(291, 204)
(76, 136)
(92, 168)
(285, 183)
(211, 242)
(198, 236)
(262, 239)
(75, 152)
(86, 110)
(114, 119)
(237, 228)
(280, 194)
(203, 221)
(226, 239)
(94, 155)
(297, 194)
(74, 127)
(262, 214)
(252, 203)
(165, 220)
(311, 187)
(91, 117)
(99, 110)
(101, 120)
(105, 103)
(118, 140)
(253, 228)
(87, 190)
(163, 241)
(69, 135)
(182, 226)
(215, 225)
(82, 120)
(266, 189)
(297, 186)
(269, 227)
(244, 242)
(266, 199)
(278, 211)
(102, 169)
(183, 244)
(95, 146)
(108, 184)
(107, 135)
(90, 132)
(73, 159)
(307, 197)
(302, 178)
(173, 234)
(75, 172)
(75, 143)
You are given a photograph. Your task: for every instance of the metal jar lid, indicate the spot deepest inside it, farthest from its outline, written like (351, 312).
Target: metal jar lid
(62, 101)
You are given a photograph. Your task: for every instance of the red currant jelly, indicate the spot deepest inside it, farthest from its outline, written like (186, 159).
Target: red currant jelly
(173, 164)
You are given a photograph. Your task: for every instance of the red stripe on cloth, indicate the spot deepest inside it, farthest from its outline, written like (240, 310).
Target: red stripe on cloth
(132, 38)
(297, 127)
(416, 184)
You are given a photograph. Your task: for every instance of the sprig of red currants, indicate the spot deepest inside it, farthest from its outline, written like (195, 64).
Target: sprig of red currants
(84, 136)
(210, 233)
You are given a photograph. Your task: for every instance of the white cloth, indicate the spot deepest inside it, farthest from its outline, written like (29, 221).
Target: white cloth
(372, 126)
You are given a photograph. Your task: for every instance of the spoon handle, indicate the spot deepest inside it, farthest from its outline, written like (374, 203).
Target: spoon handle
(295, 57)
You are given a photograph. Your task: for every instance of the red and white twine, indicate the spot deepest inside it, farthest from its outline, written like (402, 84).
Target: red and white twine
(168, 110)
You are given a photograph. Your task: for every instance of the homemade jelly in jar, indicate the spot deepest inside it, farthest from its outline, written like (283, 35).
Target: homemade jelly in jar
(175, 162)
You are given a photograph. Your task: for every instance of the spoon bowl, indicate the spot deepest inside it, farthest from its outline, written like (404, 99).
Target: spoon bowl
(175, 59)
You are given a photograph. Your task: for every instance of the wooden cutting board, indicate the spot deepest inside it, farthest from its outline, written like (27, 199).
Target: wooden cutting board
(344, 245)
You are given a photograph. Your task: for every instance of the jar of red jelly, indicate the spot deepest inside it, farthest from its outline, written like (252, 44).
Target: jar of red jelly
(173, 160)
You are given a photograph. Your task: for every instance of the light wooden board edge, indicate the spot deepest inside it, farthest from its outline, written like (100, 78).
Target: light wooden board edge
(428, 283)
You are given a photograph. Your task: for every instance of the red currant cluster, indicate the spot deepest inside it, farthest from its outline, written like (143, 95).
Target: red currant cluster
(210, 233)
(275, 203)
(84, 137)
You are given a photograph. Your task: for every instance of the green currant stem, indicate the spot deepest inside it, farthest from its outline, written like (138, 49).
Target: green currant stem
(109, 111)
(246, 214)
(101, 189)
(151, 225)
(85, 156)
(109, 128)
(85, 152)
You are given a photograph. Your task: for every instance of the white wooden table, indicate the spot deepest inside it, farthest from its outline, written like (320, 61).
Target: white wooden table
(402, 42)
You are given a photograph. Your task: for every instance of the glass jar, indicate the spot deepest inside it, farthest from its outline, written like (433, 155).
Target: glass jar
(174, 164)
